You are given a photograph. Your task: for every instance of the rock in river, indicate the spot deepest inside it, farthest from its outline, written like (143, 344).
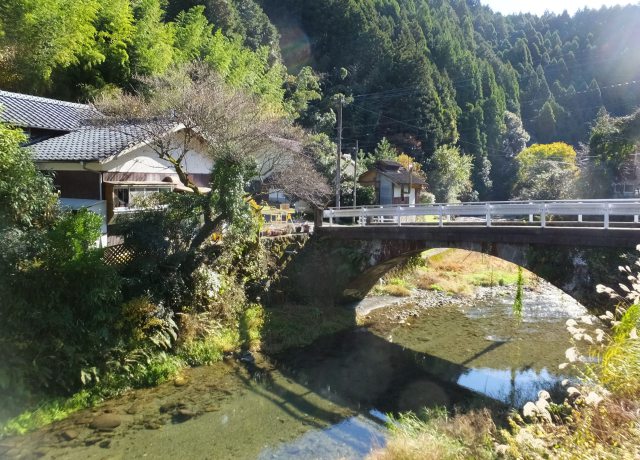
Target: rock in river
(69, 435)
(105, 422)
(182, 415)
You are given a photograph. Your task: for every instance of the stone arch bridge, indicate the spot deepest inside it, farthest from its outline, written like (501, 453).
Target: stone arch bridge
(343, 262)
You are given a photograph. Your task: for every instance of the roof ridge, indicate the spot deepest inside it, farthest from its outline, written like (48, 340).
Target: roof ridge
(45, 100)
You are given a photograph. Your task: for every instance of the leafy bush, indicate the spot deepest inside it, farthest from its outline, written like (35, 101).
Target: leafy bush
(27, 197)
(60, 302)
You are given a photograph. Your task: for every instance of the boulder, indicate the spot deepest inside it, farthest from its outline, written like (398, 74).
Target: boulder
(105, 422)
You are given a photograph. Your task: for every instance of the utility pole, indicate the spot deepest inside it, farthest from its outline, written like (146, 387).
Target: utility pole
(339, 156)
(410, 181)
(355, 178)
(355, 175)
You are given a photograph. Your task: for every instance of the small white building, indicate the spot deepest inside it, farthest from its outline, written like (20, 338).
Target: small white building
(393, 183)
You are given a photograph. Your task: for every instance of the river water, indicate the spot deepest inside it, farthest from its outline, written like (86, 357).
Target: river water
(329, 400)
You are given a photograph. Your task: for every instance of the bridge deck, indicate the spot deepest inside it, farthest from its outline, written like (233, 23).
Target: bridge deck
(574, 236)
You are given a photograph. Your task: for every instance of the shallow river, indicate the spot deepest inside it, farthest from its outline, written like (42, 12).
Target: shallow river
(328, 401)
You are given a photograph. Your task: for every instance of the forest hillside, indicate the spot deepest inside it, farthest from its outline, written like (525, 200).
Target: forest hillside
(420, 73)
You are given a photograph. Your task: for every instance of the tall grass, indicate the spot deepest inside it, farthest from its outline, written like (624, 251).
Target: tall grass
(434, 435)
(620, 366)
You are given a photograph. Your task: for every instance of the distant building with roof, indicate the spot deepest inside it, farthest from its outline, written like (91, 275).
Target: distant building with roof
(393, 183)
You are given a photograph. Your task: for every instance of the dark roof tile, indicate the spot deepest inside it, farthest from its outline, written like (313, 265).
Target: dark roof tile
(91, 143)
(39, 112)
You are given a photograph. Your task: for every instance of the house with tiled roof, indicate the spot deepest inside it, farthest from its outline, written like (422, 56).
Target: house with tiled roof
(101, 167)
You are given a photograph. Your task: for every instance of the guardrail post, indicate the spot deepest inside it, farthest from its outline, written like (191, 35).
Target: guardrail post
(635, 219)
(488, 215)
(331, 218)
(579, 217)
(440, 212)
(543, 216)
(399, 215)
(362, 220)
(606, 216)
(318, 217)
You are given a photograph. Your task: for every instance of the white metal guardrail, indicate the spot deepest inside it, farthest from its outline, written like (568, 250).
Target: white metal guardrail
(596, 213)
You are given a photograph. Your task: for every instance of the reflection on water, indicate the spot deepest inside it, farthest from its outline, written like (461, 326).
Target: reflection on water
(514, 387)
(351, 438)
(327, 401)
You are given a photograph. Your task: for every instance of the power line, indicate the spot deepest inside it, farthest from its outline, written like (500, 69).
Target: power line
(503, 152)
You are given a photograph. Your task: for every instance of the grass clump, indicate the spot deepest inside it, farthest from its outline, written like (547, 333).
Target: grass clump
(48, 412)
(435, 435)
(620, 365)
(210, 349)
(396, 282)
(395, 290)
(251, 325)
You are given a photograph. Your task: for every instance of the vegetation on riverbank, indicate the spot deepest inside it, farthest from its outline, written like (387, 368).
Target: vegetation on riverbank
(77, 329)
(271, 330)
(454, 271)
(436, 435)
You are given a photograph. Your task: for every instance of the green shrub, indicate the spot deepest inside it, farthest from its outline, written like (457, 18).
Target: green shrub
(60, 302)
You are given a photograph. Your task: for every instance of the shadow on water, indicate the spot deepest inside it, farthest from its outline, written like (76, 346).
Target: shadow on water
(365, 372)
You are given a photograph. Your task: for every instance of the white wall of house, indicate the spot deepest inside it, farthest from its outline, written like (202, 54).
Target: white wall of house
(146, 160)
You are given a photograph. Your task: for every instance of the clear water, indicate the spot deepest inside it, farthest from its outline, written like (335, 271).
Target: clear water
(328, 401)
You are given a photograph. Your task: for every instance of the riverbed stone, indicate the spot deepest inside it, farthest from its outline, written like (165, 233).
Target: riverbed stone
(152, 425)
(105, 422)
(182, 415)
(69, 435)
(105, 444)
(180, 381)
(134, 409)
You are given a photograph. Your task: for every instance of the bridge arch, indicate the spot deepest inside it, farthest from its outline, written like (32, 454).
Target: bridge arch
(359, 286)
(338, 265)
